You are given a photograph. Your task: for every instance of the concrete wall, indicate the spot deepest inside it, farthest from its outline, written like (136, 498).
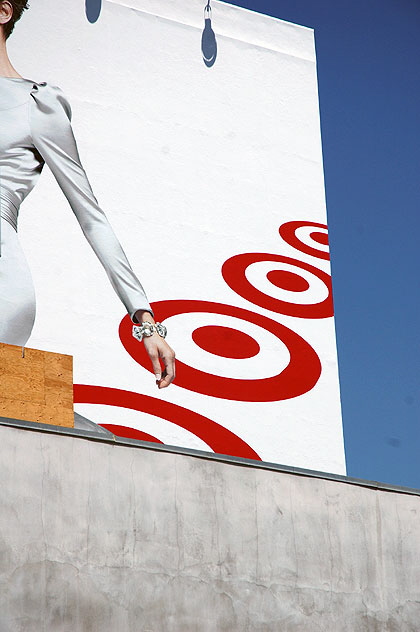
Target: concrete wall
(109, 538)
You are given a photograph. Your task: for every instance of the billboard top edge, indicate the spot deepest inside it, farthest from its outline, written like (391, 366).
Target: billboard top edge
(235, 22)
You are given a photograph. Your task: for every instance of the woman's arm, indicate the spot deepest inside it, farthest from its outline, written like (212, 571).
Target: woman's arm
(52, 136)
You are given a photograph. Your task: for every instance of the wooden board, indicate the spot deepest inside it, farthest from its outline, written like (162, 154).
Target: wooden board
(36, 387)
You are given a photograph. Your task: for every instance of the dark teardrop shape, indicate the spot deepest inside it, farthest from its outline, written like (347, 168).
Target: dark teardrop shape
(93, 10)
(208, 44)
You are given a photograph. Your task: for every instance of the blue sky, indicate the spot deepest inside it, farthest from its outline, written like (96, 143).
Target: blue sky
(368, 58)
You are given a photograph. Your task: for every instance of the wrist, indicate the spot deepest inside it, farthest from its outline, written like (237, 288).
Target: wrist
(143, 316)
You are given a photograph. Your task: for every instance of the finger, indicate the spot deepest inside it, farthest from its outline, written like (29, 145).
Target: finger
(157, 369)
(168, 375)
(165, 381)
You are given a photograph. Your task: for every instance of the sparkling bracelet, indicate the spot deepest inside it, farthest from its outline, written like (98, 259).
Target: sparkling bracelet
(147, 329)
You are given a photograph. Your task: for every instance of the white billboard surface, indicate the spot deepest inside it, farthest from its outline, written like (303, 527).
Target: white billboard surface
(212, 179)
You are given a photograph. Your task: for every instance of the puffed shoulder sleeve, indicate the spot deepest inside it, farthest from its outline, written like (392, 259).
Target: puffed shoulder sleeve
(52, 136)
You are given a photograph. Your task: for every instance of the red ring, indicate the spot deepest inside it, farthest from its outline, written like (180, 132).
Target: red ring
(220, 439)
(233, 271)
(288, 233)
(300, 376)
(130, 433)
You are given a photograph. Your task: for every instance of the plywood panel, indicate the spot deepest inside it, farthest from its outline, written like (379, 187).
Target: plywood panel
(36, 385)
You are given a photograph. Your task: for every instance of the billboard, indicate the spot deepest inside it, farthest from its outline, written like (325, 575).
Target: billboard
(209, 169)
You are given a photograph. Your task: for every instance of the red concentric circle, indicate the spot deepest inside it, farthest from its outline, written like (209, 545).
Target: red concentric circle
(286, 280)
(288, 233)
(300, 375)
(130, 433)
(320, 238)
(225, 342)
(220, 439)
(234, 273)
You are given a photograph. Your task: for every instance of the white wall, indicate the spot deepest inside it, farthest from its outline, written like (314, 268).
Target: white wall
(192, 165)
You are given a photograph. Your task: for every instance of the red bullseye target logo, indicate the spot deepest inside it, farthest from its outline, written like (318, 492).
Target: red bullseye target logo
(218, 438)
(292, 282)
(308, 237)
(227, 346)
(231, 353)
(299, 375)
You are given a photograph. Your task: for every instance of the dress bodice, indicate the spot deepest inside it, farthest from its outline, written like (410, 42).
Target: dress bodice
(20, 161)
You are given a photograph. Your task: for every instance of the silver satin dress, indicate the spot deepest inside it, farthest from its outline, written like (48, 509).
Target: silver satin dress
(35, 129)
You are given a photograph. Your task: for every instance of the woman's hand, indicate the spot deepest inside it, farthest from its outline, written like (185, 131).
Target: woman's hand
(157, 347)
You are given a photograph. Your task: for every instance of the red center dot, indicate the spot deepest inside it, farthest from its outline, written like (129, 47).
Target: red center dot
(225, 342)
(287, 280)
(320, 238)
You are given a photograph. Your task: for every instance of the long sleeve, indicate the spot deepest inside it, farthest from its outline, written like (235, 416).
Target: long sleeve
(52, 136)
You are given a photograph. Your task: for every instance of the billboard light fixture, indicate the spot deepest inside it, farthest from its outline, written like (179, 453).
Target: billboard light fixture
(93, 10)
(208, 39)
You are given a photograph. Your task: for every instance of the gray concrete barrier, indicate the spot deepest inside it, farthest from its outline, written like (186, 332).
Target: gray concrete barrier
(100, 537)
